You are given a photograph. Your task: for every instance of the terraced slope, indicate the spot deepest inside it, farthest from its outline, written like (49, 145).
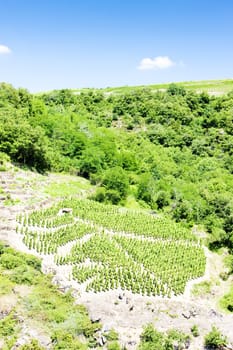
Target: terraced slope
(111, 247)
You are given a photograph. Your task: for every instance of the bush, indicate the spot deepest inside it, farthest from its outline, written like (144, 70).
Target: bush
(24, 275)
(6, 285)
(106, 196)
(33, 261)
(4, 158)
(10, 261)
(151, 339)
(7, 325)
(214, 339)
(63, 340)
(176, 339)
(100, 195)
(113, 196)
(195, 331)
(116, 179)
(112, 335)
(114, 345)
(33, 345)
(2, 247)
(227, 301)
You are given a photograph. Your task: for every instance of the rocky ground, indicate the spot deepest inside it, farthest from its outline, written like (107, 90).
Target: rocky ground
(23, 191)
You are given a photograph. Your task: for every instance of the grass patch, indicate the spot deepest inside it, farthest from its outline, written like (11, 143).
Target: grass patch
(9, 329)
(9, 201)
(131, 203)
(219, 86)
(67, 186)
(202, 288)
(64, 321)
(6, 285)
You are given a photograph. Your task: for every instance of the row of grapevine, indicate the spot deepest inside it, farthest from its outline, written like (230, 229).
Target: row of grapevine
(167, 265)
(121, 220)
(47, 242)
(115, 247)
(45, 222)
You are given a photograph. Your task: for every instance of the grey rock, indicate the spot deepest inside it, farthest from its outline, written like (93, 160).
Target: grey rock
(95, 319)
(131, 308)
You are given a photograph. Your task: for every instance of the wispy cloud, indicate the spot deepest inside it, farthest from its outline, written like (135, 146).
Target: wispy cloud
(4, 50)
(159, 62)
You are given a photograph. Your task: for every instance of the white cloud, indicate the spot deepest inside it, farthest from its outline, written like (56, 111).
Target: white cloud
(4, 50)
(159, 62)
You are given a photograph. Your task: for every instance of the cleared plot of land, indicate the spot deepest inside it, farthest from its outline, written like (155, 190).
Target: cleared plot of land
(115, 248)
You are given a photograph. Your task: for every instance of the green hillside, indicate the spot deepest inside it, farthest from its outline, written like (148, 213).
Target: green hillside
(170, 151)
(165, 152)
(128, 189)
(217, 87)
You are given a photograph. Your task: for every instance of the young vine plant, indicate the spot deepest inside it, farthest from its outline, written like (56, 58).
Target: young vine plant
(115, 247)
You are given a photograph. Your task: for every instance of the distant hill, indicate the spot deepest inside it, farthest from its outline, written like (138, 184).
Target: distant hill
(213, 87)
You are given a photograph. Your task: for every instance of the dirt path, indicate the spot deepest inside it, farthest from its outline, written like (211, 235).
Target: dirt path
(124, 311)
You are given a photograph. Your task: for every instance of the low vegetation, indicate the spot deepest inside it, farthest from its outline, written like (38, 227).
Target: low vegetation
(215, 340)
(67, 326)
(175, 339)
(153, 339)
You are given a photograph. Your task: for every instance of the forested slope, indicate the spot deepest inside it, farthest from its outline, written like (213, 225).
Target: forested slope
(170, 151)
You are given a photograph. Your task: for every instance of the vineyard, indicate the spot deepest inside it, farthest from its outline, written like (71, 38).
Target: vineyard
(113, 247)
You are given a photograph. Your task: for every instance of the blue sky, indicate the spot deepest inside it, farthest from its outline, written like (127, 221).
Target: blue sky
(50, 44)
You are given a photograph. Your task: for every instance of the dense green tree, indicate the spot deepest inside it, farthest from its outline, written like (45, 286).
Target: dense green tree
(91, 161)
(116, 179)
(24, 144)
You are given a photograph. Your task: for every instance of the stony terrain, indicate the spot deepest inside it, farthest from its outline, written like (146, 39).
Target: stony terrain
(23, 191)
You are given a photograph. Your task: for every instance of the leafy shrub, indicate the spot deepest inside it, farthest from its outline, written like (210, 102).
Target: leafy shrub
(227, 301)
(176, 338)
(24, 275)
(114, 345)
(112, 335)
(33, 261)
(6, 285)
(10, 261)
(63, 340)
(151, 339)
(7, 325)
(195, 331)
(4, 158)
(33, 345)
(214, 339)
(116, 179)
